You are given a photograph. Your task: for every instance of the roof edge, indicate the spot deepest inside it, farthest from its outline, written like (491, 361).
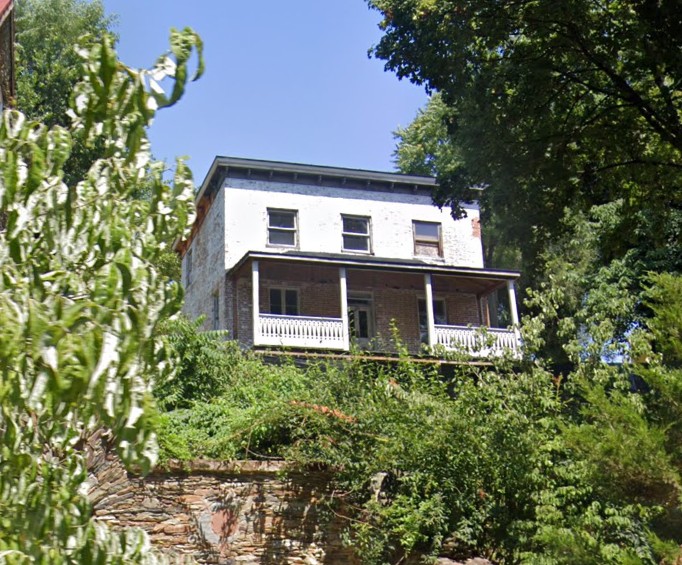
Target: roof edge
(284, 166)
(379, 263)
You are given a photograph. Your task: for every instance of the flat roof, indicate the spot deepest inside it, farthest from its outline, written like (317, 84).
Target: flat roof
(310, 174)
(316, 170)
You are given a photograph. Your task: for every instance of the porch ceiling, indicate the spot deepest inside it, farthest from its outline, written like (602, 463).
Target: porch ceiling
(446, 278)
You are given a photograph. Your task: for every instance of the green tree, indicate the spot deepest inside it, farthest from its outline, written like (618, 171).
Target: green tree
(425, 147)
(554, 106)
(80, 301)
(48, 66)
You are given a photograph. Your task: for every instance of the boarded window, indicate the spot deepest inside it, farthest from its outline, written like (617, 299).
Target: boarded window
(427, 238)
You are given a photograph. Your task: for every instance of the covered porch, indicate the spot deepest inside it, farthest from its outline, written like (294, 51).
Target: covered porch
(332, 303)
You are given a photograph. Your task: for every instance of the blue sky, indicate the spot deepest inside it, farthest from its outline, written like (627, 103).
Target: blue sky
(285, 80)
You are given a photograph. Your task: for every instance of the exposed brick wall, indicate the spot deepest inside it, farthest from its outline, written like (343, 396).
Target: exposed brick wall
(476, 228)
(243, 323)
(394, 295)
(208, 266)
(229, 307)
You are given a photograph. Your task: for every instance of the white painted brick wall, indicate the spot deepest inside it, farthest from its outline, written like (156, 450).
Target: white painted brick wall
(319, 220)
(237, 223)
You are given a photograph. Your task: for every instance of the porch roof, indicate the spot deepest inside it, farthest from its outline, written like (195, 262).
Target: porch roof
(488, 279)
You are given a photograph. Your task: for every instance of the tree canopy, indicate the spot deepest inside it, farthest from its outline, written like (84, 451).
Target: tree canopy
(552, 106)
(48, 65)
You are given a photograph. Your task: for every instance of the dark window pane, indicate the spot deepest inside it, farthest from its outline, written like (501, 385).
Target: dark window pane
(291, 306)
(439, 315)
(363, 324)
(277, 237)
(422, 312)
(275, 301)
(282, 219)
(427, 230)
(439, 312)
(355, 225)
(356, 242)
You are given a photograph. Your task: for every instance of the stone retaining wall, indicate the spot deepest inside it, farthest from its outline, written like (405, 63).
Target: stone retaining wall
(235, 513)
(244, 512)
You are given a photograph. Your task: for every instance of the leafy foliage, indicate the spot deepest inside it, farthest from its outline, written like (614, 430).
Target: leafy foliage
(49, 67)
(478, 464)
(80, 301)
(205, 363)
(557, 109)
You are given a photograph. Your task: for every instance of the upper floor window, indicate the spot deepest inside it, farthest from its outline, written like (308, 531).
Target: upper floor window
(356, 236)
(427, 238)
(282, 227)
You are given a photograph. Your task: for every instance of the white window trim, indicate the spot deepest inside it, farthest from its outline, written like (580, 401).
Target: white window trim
(367, 235)
(283, 290)
(293, 230)
(435, 299)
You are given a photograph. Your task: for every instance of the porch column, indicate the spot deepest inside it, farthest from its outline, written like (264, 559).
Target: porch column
(343, 287)
(431, 330)
(512, 303)
(483, 309)
(255, 301)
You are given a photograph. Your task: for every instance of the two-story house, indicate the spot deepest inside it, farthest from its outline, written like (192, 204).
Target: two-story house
(304, 256)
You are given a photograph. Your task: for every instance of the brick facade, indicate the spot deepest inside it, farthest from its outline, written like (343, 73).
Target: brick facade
(394, 298)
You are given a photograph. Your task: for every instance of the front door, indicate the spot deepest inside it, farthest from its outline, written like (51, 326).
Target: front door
(361, 319)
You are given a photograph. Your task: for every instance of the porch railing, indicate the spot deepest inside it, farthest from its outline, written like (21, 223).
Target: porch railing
(492, 342)
(300, 331)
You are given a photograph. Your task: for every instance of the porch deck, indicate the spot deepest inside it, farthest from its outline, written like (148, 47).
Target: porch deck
(311, 332)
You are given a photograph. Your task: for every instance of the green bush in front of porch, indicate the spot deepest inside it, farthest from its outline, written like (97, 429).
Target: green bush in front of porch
(475, 464)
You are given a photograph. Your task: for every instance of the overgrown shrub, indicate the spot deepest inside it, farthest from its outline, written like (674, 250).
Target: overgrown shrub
(475, 463)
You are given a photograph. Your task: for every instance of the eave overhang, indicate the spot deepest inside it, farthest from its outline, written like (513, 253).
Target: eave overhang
(491, 279)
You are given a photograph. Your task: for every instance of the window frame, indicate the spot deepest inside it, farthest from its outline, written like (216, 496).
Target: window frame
(188, 267)
(282, 300)
(427, 241)
(215, 310)
(423, 329)
(367, 236)
(280, 229)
